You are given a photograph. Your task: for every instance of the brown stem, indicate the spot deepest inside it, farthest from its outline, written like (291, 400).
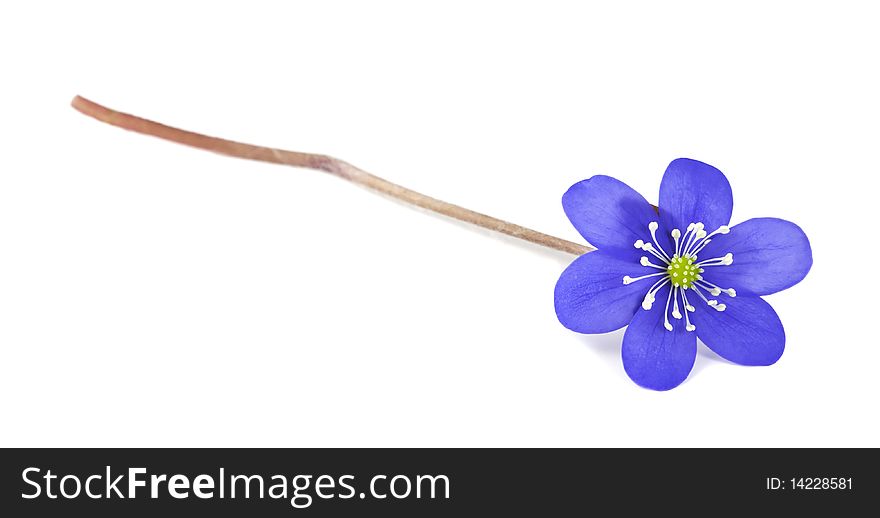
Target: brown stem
(324, 163)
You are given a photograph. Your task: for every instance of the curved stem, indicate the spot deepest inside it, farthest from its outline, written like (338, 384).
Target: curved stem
(324, 163)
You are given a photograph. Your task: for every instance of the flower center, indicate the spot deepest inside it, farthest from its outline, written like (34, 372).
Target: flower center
(683, 271)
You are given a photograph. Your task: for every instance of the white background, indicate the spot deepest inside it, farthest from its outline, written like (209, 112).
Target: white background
(154, 295)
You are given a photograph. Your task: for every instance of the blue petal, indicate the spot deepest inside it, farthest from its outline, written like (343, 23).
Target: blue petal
(692, 192)
(747, 332)
(608, 213)
(654, 357)
(590, 295)
(769, 255)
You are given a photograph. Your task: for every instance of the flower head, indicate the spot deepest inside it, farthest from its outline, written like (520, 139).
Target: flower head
(678, 272)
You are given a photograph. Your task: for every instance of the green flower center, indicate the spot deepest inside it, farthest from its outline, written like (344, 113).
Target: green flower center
(683, 272)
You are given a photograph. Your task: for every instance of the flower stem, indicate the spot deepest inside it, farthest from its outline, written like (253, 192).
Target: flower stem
(324, 163)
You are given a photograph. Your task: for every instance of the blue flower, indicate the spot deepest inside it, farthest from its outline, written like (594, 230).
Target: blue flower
(678, 272)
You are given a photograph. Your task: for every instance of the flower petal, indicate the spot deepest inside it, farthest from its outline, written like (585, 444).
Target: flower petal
(608, 213)
(769, 255)
(654, 357)
(590, 296)
(747, 332)
(692, 192)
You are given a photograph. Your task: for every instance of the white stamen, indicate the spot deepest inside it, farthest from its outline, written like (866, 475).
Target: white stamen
(679, 251)
(666, 323)
(648, 247)
(656, 287)
(723, 229)
(676, 233)
(712, 303)
(629, 280)
(696, 242)
(652, 226)
(644, 261)
(676, 314)
(687, 321)
(727, 260)
(649, 297)
(639, 243)
(716, 290)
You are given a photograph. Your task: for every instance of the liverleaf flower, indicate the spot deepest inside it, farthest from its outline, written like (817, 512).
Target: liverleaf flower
(673, 273)
(678, 272)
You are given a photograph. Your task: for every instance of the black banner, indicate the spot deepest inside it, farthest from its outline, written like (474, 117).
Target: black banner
(446, 482)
